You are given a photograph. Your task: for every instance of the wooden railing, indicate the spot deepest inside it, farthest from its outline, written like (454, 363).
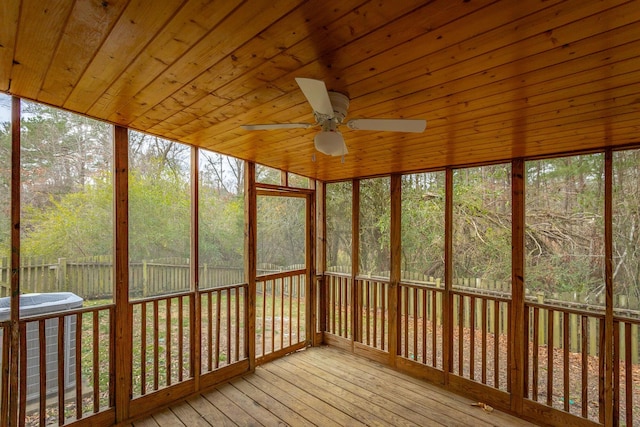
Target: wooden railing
(480, 337)
(561, 373)
(75, 348)
(161, 342)
(372, 303)
(564, 370)
(339, 310)
(626, 378)
(280, 312)
(223, 326)
(421, 323)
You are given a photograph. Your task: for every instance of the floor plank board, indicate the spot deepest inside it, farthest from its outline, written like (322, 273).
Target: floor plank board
(326, 386)
(420, 409)
(385, 376)
(307, 404)
(209, 412)
(166, 418)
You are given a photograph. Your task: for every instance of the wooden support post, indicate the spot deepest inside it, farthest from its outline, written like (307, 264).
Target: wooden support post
(250, 244)
(608, 279)
(122, 312)
(195, 315)
(310, 294)
(321, 256)
(355, 260)
(15, 265)
(518, 341)
(447, 296)
(395, 336)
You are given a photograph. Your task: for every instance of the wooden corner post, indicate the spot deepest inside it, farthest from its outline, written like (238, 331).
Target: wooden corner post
(355, 260)
(609, 325)
(123, 317)
(250, 257)
(395, 267)
(321, 256)
(15, 265)
(195, 324)
(447, 297)
(519, 338)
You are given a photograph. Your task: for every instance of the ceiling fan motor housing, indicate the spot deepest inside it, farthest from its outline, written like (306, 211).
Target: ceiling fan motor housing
(340, 104)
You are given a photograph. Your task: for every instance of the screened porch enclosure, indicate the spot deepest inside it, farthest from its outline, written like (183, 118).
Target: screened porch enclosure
(172, 229)
(415, 271)
(418, 272)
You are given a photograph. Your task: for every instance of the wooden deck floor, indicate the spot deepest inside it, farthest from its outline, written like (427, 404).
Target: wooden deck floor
(327, 387)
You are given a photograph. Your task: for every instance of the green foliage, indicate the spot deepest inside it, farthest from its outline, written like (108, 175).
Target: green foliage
(423, 224)
(375, 216)
(76, 226)
(338, 223)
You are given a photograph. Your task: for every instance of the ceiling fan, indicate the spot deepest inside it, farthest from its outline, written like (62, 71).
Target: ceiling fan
(330, 110)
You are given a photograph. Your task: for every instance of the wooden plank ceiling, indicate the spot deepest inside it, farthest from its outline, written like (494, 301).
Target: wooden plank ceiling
(493, 79)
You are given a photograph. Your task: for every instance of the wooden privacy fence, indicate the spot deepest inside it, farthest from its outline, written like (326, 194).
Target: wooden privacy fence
(93, 278)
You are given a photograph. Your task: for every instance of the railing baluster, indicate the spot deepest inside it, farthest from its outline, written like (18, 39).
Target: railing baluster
(472, 337)
(347, 321)
(585, 365)
(434, 324)
(4, 390)
(290, 311)
(405, 303)
(535, 353)
(23, 373)
(216, 361)
(42, 345)
(496, 344)
(210, 330)
(376, 290)
(78, 370)
(383, 316)
(616, 370)
(460, 335)
(601, 345)
(156, 340)
(483, 344)
(61, 385)
(180, 337)
(299, 296)
(415, 323)
(628, 370)
(167, 340)
(237, 322)
(274, 291)
(423, 292)
(228, 319)
(565, 359)
(550, 350)
(340, 308)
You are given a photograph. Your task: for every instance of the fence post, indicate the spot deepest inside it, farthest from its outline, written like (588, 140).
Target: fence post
(542, 339)
(145, 279)
(634, 343)
(61, 275)
(203, 279)
(4, 276)
(573, 334)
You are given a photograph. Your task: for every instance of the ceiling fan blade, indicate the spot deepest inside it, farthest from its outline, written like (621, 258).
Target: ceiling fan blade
(275, 126)
(316, 93)
(393, 125)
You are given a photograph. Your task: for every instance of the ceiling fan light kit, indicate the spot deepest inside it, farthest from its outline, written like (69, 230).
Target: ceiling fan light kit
(330, 110)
